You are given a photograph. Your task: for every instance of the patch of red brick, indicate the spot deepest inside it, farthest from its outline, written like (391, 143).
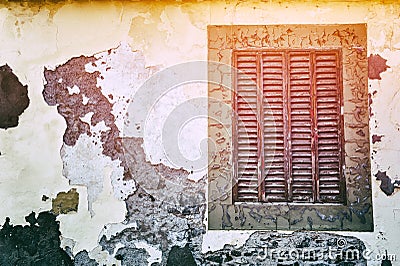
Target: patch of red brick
(71, 106)
(376, 65)
(376, 138)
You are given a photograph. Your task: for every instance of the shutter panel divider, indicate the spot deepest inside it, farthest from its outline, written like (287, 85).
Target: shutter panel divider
(287, 128)
(260, 128)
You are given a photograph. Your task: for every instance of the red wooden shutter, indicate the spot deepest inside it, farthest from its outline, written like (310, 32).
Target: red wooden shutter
(301, 175)
(273, 79)
(329, 129)
(246, 128)
(289, 131)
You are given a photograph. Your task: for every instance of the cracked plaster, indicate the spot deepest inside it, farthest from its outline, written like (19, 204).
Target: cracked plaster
(57, 28)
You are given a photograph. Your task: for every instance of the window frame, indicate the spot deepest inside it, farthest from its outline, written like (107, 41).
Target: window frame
(223, 213)
(259, 52)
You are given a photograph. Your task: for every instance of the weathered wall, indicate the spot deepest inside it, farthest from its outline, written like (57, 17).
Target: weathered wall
(141, 182)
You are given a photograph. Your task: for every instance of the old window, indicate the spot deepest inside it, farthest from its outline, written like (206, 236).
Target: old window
(288, 126)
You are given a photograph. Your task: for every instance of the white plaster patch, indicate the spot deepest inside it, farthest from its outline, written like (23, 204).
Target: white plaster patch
(67, 242)
(116, 248)
(85, 99)
(155, 253)
(81, 169)
(123, 72)
(83, 227)
(188, 149)
(122, 188)
(74, 90)
(215, 240)
(111, 230)
(103, 258)
(394, 108)
(87, 117)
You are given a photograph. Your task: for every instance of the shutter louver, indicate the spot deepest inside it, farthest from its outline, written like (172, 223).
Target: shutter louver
(247, 140)
(328, 127)
(274, 145)
(300, 127)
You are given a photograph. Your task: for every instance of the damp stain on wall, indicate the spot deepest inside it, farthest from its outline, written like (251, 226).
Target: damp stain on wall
(66, 202)
(180, 256)
(13, 98)
(387, 185)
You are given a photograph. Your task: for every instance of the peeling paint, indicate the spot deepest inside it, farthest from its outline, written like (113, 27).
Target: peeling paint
(13, 98)
(159, 224)
(160, 34)
(167, 184)
(91, 123)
